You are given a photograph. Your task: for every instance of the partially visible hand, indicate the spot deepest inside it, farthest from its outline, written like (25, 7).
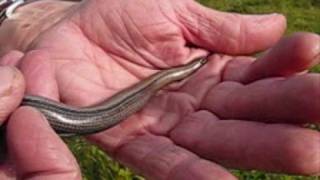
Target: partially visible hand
(236, 112)
(102, 46)
(113, 44)
(34, 150)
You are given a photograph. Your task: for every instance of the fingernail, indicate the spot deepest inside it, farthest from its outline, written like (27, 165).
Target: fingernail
(273, 15)
(267, 17)
(36, 112)
(7, 77)
(317, 50)
(317, 58)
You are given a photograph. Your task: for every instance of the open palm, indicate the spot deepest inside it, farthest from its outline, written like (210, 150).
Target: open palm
(101, 47)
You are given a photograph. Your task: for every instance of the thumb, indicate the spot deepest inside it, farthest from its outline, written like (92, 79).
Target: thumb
(229, 33)
(37, 152)
(12, 87)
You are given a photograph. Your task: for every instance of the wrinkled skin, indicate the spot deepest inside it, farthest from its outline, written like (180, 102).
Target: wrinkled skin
(240, 115)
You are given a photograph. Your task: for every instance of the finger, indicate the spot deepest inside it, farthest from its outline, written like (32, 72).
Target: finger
(12, 58)
(158, 158)
(37, 152)
(228, 32)
(292, 100)
(250, 145)
(11, 91)
(291, 55)
(39, 73)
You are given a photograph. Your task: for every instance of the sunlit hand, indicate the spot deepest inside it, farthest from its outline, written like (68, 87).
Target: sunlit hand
(100, 47)
(34, 151)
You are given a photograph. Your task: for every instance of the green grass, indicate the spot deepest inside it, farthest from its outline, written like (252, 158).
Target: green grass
(95, 164)
(303, 15)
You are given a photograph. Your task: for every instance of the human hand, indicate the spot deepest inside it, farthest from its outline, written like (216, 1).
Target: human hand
(83, 63)
(239, 116)
(34, 150)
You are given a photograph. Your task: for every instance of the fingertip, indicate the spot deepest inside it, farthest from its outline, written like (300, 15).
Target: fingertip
(230, 33)
(273, 18)
(260, 32)
(18, 118)
(37, 68)
(306, 47)
(280, 24)
(12, 87)
(263, 19)
(11, 58)
(32, 143)
(294, 54)
(303, 152)
(9, 78)
(30, 121)
(282, 21)
(27, 119)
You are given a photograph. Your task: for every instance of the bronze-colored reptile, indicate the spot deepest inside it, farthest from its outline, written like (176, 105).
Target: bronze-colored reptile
(68, 121)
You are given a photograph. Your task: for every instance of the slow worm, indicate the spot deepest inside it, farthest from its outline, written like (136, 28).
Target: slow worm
(67, 120)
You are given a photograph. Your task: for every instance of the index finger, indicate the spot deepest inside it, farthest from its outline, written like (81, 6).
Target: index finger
(37, 152)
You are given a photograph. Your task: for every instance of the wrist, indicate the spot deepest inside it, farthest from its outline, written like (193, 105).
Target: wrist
(29, 21)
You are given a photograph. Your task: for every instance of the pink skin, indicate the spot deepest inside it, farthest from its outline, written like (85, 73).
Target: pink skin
(35, 150)
(103, 46)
